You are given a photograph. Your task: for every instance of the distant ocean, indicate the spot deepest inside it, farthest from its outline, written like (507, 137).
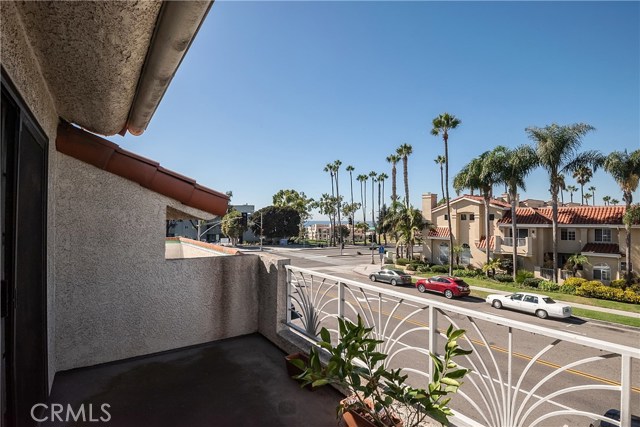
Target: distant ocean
(344, 221)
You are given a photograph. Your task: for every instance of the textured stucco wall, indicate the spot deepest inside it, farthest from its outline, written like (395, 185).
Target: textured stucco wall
(117, 296)
(23, 70)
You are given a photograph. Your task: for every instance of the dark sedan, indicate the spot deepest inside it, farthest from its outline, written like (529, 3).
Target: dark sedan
(394, 277)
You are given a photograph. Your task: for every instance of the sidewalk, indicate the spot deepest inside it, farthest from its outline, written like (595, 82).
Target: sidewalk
(366, 269)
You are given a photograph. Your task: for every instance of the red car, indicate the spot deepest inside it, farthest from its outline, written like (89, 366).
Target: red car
(448, 286)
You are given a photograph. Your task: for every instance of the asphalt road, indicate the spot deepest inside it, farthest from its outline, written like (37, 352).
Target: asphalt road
(525, 346)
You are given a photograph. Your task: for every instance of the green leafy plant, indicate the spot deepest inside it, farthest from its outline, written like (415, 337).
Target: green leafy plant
(521, 275)
(532, 282)
(439, 269)
(505, 278)
(576, 282)
(356, 366)
(402, 261)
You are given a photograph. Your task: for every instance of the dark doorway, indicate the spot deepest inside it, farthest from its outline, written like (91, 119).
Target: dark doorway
(24, 268)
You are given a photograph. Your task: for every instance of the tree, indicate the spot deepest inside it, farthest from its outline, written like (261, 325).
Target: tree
(329, 167)
(441, 126)
(592, 189)
(587, 197)
(481, 174)
(575, 262)
(404, 151)
(393, 159)
(440, 161)
(614, 202)
(491, 266)
(350, 169)
(232, 226)
(277, 222)
(298, 201)
(408, 223)
(572, 189)
(557, 149)
(625, 170)
(336, 171)
(350, 209)
(373, 176)
(583, 175)
(606, 199)
(514, 166)
(363, 197)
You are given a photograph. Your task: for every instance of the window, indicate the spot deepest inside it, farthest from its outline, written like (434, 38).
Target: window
(522, 233)
(472, 217)
(446, 217)
(623, 266)
(567, 234)
(603, 235)
(516, 297)
(492, 217)
(602, 272)
(463, 217)
(531, 299)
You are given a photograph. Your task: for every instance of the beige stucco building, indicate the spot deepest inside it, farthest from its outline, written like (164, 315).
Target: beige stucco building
(594, 231)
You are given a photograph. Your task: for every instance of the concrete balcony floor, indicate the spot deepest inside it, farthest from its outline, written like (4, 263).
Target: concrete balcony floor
(239, 381)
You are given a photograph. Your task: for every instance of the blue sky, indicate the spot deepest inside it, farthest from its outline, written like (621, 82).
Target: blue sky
(270, 92)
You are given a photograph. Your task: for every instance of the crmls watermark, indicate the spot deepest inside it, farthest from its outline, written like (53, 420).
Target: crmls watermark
(41, 412)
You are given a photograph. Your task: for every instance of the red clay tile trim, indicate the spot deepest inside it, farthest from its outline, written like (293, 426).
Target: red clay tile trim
(602, 248)
(482, 244)
(108, 156)
(441, 232)
(573, 215)
(218, 248)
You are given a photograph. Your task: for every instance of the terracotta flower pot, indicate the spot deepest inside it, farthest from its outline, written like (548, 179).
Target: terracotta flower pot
(354, 418)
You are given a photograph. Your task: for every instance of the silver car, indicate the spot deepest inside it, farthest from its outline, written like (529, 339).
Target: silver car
(395, 277)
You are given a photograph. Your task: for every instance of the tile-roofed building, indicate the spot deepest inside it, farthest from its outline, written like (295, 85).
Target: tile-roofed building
(602, 248)
(482, 243)
(439, 233)
(588, 215)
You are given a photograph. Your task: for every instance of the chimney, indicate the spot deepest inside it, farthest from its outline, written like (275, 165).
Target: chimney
(429, 202)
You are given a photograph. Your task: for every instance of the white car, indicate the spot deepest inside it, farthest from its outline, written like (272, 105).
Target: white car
(540, 305)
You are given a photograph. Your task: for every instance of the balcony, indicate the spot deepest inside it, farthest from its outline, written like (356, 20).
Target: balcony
(522, 374)
(504, 245)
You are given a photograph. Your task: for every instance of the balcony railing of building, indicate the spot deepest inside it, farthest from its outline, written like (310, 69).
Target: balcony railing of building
(546, 273)
(508, 241)
(522, 374)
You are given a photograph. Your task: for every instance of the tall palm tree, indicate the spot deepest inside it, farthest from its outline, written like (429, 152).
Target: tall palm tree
(350, 169)
(363, 199)
(625, 170)
(329, 167)
(393, 159)
(615, 202)
(373, 176)
(606, 199)
(592, 189)
(563, 186)
(382, 178)
(557, 149)
(336, 170)
(514, 166)
(440, 161)
(571, 189)
(583, 174)
(441, 126)
(481, 174)
(587, 197)
(404, 151)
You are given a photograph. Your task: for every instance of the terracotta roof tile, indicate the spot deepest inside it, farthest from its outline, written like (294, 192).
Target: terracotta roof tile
(586, 215)
(110, 157)
(482, 243)
(441, 232)
(602, 248)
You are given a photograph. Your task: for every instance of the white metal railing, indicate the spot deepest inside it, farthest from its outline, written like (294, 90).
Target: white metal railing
(508, 241)
(510, 384)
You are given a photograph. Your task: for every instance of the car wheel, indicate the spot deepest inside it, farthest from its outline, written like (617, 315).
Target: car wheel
(393, 282)
(448, 294)
(541, 314)
(373, 278)
(496, 303)
(421, 288)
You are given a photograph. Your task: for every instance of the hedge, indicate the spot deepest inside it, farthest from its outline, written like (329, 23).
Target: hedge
(439, 269)
(532, 282)
(402, 261)
(522, 275)
(504, 278)
(595, 289)
(575, 281)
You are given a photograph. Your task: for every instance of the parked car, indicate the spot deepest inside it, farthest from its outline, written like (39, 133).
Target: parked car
(395, 277)
(540, 305)
(614, 414)
(448, 286)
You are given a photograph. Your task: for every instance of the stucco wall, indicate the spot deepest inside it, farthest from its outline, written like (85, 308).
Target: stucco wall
(23, 70)
(117, 296)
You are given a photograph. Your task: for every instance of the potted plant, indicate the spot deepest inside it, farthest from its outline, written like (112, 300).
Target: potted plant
(375, 393)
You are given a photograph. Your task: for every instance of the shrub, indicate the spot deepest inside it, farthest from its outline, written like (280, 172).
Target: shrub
(635, 288)
(575, 281)
(588, 289)
(504, 278)
(548, 286)
(440, 269)
(423, 269)
(402, 261)
(567, 289)
(618, 284)
(532, 282)
(465, 273)
(522, 275)
(412, 267)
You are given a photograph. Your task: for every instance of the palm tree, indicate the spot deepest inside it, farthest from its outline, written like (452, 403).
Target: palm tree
(407, 223)
(514, 166)
(592, 189)
(363, 199)
(373, 176)
(587, 197)
(572, 189)
(606, 199)
(336, 170)
(614, 202)
(404, 151)
(329, 167)
(441, 126)
(583, 174)
(382, 178)
(481, 174)
(393, 159)
(576, 261)
(381, 208)
(625, 170)
(557, 150)
(440, 161)
(350, 169)
(563, 186)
